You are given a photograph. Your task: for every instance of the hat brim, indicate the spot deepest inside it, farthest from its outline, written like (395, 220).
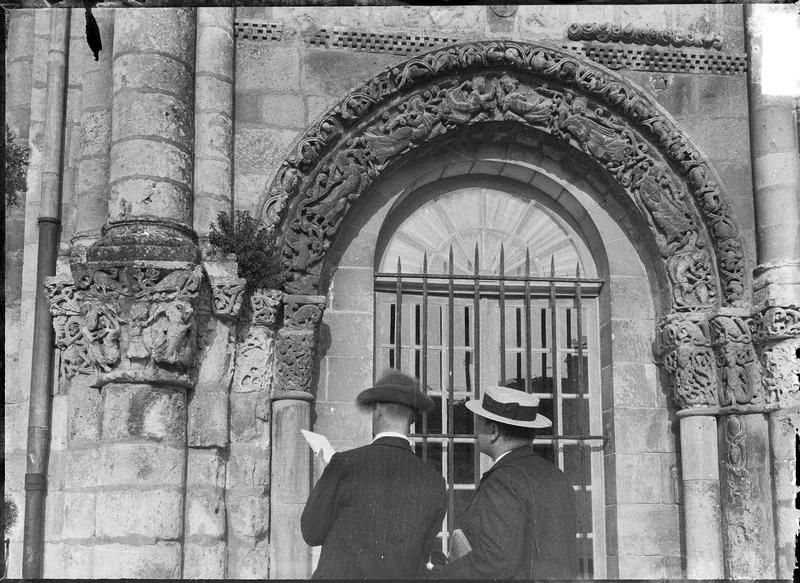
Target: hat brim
(399, 394)
(539, 422)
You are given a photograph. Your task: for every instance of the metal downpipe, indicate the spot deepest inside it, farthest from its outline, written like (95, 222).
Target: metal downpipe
(43, 350)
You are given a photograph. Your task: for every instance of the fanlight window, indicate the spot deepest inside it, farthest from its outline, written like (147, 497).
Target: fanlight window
(478, 287)
(489, 218)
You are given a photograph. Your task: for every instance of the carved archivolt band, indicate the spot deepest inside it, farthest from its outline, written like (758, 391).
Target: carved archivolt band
(581, 104)
(606, 32)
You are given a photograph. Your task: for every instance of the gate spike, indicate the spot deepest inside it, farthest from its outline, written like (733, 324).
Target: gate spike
(552, 266)
(476, 259)
(527, 262)
(577, 270)
(399, 267)
(450, 259)
(425, 262)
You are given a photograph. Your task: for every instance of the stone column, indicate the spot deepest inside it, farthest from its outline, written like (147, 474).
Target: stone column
(91, 189)
(213, 166)
(292, 395)
(776, 174)
(689, 358)
(776, 334)
(152, 142)
(249, 476)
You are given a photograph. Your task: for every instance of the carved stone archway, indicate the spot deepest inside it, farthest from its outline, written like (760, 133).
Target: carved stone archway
(590, 108)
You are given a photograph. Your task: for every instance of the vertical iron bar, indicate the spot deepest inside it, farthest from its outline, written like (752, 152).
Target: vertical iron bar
(424, 376)
(554, 360)
(450, 389)
(584, 446)
(502, 316)
(528, 367)
(477, 348)
(399, 314)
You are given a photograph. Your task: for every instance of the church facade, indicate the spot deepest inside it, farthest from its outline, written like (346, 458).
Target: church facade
(598, 205)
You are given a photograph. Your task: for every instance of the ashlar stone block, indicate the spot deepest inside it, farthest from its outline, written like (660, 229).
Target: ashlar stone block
(155, 514)
(248, 559)
(205, 513)
(204, 561)
(161, 560)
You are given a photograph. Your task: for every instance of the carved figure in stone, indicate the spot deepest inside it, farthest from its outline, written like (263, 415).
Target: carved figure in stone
(62, 297)
(535, 108)
(178, 283)
(101, 329)
(303, 314)
(137, 321)
(265, 306)
(468, 102)
(100, 283)
(739, 374)
(227, 296)
(74, 350)
(168, 332)
(598, 136)
(781, 372)
(694, 376)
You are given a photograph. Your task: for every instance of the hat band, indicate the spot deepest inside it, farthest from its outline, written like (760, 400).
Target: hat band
(513, 411)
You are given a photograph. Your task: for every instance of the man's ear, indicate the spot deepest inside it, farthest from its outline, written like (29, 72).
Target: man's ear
(494, 431)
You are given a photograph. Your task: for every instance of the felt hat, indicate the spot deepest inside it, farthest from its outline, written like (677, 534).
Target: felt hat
(396, 387)
(509, 406)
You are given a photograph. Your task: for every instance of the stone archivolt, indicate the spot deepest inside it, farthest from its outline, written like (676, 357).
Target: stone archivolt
(579, 103)
(607, 32)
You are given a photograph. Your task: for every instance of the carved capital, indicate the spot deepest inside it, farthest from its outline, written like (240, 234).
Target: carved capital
(776, 335)
(738, 365)
(226, 296)
(296, 344)
(775, 323)
(265, 305)
(61, 293)
(303, 311)
(688, 357)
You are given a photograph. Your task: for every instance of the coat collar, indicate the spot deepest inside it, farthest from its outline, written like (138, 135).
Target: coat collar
(513, 455)
(393, 441)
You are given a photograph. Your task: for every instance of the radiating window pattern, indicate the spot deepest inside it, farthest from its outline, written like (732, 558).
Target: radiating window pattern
(486, 217)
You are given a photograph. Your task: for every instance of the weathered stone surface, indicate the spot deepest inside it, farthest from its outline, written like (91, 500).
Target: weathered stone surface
(81, 468)
(140, 464)
(79, 513)
(142, 411)
(248, 413)
(248, 516)
(253, 359)
(68, 561)
(248, 467)
(648, 529)
(170, 32)
(207, 422)
(630, 468)
(156, 514)
(161, 560)
(205, 513)
(650, 567)
(289, 555)
(84, 410)
(153, 114)
(643, 430)
(206, 468)
(702, 525)
(54, 516)
(260, 66)
(156, 71)
(203, 561)
(291, 454)
(248, 559)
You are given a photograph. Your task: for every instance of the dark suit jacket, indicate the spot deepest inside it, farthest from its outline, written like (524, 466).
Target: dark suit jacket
(376, 511)
(519, 491)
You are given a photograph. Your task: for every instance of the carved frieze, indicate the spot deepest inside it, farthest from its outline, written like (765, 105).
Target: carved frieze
(671, 183)
(614, 33)
(265, 305)
(303, 312)
(689, 359)
(776, 323)
(738, 365)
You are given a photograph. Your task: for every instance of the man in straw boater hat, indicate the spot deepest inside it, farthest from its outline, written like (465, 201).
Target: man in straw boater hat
(376, 510)
(520, 523)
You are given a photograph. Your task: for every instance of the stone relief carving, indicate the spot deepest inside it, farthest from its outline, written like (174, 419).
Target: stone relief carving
(74, 349)
(101, 330)
(607, 32)
(296, 342)
(303, 312)
(776, 334)
(544, 88)
(265, 306)
(227, 296)
(739, 368)
(688, 357)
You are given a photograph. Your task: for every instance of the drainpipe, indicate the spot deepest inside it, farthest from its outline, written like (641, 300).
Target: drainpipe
(43, 343)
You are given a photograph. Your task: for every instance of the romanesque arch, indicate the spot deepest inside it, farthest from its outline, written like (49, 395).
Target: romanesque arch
(575, 101)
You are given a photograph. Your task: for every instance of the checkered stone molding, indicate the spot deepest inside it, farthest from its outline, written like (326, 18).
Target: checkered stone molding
(633, 58)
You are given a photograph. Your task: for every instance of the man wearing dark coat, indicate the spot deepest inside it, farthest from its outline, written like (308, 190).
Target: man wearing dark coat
(376, 510)
(520, 523)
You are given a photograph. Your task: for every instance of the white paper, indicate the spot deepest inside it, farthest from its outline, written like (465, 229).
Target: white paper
(319, 442)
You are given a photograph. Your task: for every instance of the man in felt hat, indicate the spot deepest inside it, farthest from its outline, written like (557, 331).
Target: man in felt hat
(521, 521)
(376, 510)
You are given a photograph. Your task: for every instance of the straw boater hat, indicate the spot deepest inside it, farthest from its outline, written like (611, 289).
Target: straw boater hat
(509, 406)
(397, 387)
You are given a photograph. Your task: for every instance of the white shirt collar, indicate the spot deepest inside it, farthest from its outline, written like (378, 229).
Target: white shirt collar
(393, 434)
(502, 455)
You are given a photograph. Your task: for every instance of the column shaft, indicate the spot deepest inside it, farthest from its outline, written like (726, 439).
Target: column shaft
(91, 189)
(782, 432)
(700, 471)
(213, 165)
(776, 175)
(748, 528)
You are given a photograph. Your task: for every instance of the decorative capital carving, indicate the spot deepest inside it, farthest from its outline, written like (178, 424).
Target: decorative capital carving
(265, 305)
(686, 348)
(775, 323)
(302, 311)
(739, 369)
(61, 294)
(226, 296)
(614, 33)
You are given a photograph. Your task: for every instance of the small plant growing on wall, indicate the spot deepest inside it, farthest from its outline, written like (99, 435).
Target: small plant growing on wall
(17, 160)
(255, 247)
